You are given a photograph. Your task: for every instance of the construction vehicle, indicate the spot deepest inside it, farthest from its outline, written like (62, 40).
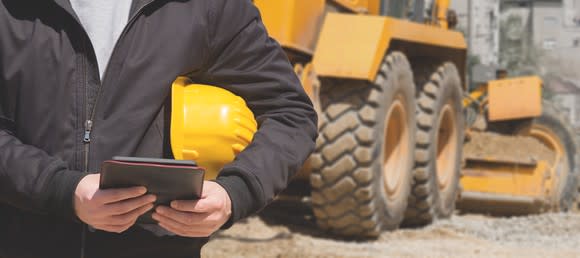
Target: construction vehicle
(364, 63)
(523, 175)
(389, 85)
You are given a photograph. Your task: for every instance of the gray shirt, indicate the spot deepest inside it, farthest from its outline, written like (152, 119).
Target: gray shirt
(103, 20)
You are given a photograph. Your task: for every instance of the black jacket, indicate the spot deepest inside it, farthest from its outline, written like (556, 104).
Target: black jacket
(50, 87)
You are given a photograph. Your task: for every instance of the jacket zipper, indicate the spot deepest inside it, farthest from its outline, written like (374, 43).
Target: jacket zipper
(87, 141)
(88, 125)
(91, 116)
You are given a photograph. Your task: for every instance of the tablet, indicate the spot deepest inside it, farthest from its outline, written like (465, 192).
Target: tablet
(156, 161)
(166, 178)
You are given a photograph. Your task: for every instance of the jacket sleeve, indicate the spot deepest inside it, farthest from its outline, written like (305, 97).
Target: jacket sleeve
(246, 61)
(30, 179)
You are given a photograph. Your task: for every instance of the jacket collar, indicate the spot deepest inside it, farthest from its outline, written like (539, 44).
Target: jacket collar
(138, 4)
(65, 4)
(135, 6)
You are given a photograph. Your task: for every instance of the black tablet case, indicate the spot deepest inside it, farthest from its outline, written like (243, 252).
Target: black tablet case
(168, 180)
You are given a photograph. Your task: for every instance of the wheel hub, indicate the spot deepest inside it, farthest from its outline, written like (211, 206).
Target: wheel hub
(446, 146)
(396, 146)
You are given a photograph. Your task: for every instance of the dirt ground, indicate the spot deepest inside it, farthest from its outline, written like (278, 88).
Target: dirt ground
(287, 230)
(513, 148)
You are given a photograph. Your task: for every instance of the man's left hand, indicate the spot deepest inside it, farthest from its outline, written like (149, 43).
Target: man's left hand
(197, 218)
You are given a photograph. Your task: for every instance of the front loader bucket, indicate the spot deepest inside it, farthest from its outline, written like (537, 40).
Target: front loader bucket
(504, 187)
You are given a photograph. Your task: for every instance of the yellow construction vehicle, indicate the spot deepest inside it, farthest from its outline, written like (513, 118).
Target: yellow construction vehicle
(388, 81)
(529, 161)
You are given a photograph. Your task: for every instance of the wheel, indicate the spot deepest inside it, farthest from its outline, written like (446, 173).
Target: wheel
(557, 134)
(361, 169)
(439, 135)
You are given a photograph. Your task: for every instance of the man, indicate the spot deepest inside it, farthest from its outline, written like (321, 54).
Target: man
(81, 82)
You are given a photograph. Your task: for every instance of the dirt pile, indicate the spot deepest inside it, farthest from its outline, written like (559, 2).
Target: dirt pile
(504, 147)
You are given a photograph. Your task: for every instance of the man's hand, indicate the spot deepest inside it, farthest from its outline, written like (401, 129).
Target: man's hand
(112, 210)
(198, 218)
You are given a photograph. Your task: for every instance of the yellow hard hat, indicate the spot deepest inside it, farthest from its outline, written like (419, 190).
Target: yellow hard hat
(209, 125)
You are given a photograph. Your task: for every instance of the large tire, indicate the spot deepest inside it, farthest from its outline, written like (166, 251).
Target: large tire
(557, 134)
(439, 136)
(355, 160)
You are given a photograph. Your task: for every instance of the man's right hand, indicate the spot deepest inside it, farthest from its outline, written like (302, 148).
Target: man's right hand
(112, 210)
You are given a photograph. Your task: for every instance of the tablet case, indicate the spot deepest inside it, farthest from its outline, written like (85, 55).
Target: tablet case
(167, 179)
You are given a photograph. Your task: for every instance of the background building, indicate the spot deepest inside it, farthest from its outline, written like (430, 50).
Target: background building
(539, 37)
(481, 28)
(556, 32)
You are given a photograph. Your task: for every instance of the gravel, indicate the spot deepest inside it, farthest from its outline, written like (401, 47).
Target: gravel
(286, 231)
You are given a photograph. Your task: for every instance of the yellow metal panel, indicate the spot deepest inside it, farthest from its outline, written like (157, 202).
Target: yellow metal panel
(361, 6)
(353, 46)
(348, 46)
(506, 179)
(293, 23)
(515, 98)
(374, 7)
(442, 8)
